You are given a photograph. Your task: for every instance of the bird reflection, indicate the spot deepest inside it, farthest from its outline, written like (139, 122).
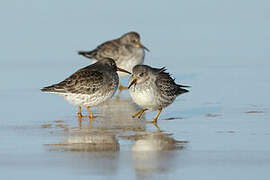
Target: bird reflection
(117, 114)
(93, 151)
(151, 152)
(113, 117)
(154, 152)
(85, 140)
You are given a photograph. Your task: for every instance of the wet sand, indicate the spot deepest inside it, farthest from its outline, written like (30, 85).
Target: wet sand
(218, 130)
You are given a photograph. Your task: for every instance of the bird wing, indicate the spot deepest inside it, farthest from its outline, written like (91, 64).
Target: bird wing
(109, 49)
(81, 82)
(166, 84)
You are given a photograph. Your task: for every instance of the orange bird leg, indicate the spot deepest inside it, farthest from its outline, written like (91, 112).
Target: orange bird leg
(80, 112)
(90, 113)
(121, 87)
(159, 111)
(139, 113)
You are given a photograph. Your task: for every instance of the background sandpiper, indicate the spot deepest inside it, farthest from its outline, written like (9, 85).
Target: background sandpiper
(127, 51)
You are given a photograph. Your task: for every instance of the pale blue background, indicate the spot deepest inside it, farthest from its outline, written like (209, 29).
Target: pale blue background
(43, 31)
(221, 48)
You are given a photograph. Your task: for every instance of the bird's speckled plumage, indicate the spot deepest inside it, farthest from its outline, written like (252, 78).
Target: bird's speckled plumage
(90, 85)
(126, 51)
(154, 88)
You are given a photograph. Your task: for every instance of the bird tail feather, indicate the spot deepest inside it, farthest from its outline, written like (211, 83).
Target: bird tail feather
(181, 89)
(88, 54)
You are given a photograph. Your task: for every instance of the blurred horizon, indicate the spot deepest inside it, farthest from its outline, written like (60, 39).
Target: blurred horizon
(53, 31)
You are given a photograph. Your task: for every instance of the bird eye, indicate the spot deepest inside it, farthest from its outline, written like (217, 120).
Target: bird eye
(141, 74)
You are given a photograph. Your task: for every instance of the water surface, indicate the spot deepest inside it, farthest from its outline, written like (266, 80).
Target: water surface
(219, 130)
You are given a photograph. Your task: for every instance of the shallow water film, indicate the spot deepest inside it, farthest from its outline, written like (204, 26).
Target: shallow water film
(219, 130)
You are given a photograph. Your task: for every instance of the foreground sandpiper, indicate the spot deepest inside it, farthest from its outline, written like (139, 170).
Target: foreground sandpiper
(90, 85)
(153, 89)
(127, 51)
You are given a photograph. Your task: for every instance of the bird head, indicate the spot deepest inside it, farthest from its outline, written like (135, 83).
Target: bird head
(141, 73)
(133, 39)
(110, 63)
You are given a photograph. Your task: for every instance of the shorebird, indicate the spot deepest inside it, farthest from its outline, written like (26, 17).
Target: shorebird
(127, 51)
(153, 89)
(90, 85)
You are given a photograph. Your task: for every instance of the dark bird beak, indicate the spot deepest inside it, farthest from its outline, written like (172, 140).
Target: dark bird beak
(132, 82)
(122, 70)
(142, 46)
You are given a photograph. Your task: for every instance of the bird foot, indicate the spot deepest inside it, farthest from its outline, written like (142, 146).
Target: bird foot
(121, 88)
(152, 122)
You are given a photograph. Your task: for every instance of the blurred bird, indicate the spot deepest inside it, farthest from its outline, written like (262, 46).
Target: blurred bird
(127, 51)
(153, 89)
(90, 85)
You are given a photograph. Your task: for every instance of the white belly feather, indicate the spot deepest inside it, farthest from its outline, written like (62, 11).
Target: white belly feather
(146, 98)
(86, 100)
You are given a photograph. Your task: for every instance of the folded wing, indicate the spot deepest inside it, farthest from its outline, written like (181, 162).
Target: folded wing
(81, 82)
